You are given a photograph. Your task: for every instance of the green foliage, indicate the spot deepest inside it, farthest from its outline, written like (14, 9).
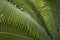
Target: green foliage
(17, 24)
(29, 20)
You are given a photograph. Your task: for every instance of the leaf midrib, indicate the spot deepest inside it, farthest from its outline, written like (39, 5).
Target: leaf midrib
(17, 35)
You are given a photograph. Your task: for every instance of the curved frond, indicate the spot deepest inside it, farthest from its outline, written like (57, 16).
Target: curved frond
(50, 13)
(18, 23)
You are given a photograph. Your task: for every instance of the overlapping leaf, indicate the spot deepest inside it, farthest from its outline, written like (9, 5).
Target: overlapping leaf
(50, 13)
(17, 25)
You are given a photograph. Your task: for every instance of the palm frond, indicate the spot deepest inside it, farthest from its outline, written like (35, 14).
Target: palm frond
(17, 25)
(50, 13)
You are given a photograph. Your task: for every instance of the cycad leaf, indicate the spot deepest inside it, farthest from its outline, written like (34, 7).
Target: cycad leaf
(50, 11)
(17, 25)
(29, 7)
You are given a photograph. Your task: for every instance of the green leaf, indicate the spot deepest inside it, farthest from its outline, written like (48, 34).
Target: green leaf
(50, 11)
(30, 8)
(17, 25)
